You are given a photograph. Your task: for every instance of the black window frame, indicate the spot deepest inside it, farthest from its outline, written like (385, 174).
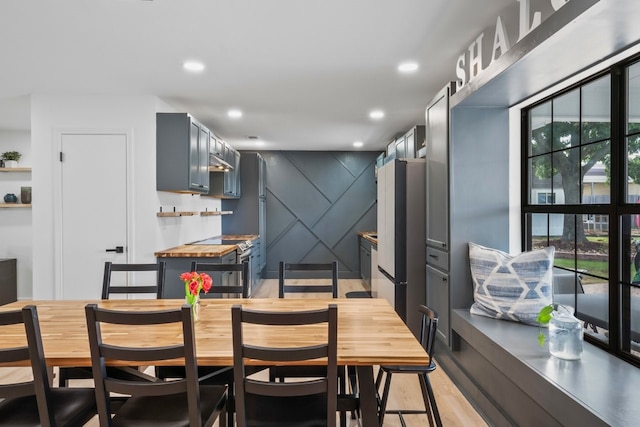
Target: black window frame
(618, 210)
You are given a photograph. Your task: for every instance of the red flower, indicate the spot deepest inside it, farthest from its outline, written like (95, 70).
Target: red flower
(194, 282)
(207, 282)
(194, 287)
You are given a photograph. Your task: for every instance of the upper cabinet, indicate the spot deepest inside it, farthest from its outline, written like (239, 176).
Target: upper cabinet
(182, 157)
(226, 184)
(407, 146)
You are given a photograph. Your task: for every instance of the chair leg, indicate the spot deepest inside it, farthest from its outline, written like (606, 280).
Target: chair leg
(385, 397)
(430, 400)
(426, 397)
(62, 377)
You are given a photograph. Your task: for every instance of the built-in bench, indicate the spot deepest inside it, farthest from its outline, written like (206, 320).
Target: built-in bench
(501, 367)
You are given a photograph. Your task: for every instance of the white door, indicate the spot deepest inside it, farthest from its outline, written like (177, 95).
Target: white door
(92, 211)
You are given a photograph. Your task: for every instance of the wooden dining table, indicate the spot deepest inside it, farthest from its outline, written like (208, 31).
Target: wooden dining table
(370, 333)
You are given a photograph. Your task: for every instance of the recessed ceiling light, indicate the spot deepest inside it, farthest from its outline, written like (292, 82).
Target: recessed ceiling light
(234, 114)
(376, 114)
(193, 66)
(407, 67)
(357, 144)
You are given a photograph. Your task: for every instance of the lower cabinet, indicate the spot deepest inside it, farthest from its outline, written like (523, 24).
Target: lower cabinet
(438, 299)
(8, 281)
(365, 262)
(174, 287)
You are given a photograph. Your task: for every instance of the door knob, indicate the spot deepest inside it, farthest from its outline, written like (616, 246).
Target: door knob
(117, 249)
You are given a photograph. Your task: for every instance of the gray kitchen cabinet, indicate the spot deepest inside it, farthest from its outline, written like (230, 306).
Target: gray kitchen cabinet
(365, 262)
(226, 185)
(438, 296)
(250, 210)
(437, 210)
(175, 266)
(8, 281)
(182, 154)
(413, 141)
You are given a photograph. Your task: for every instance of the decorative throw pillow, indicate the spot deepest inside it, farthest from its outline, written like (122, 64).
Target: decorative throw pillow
(511, 287)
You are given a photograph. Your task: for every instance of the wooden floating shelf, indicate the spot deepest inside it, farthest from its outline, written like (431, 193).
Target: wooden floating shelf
(15, 205)
(215, 213)
(174, 214)
(15, 169)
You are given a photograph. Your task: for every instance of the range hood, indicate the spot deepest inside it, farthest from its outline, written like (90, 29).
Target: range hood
(216, 164)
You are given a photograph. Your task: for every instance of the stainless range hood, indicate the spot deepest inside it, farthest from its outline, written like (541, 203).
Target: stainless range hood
(216, 164)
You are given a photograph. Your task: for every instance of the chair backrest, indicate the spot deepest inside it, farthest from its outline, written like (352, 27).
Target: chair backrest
(180, 349)
(219, 289)
(428, 329)
(251, 391)
(153, 288)
(312, 270)
(34, 353)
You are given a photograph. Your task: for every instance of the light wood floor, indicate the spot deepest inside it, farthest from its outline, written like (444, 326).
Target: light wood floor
(455, 410)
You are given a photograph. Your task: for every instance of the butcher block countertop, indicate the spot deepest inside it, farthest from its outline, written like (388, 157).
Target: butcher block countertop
(196, 251)
(204, 251)
(371, 236)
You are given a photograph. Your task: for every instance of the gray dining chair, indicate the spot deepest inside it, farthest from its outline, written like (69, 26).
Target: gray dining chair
(35, 403)
(262, 403)
(183, 402)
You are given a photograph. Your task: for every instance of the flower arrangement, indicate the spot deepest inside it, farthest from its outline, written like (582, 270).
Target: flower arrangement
(195, 282)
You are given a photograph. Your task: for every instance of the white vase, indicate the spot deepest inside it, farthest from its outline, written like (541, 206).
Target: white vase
(10, 163)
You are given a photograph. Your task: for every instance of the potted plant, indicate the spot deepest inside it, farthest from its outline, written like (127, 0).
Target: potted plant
(565, 331)
(11, 159)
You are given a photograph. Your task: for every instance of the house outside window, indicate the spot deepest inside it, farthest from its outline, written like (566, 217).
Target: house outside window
(581, 182)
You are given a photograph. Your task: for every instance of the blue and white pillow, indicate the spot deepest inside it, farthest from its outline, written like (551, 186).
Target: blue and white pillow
(511, 287)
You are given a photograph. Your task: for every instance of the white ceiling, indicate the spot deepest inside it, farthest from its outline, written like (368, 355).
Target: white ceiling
(305, 73)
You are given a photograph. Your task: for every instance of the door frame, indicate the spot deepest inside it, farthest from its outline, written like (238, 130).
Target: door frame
(58, 272)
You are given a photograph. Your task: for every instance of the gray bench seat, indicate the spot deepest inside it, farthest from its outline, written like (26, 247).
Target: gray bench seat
(531, 387)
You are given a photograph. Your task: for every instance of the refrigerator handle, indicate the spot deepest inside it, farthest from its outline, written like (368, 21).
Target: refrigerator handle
(387, 275)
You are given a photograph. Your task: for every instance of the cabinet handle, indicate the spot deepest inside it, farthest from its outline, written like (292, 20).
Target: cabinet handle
(444, 279)
(444, 245)
(433, 256)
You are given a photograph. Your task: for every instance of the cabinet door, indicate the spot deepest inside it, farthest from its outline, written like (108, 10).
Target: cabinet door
(236, 174)
(194, 156)
(437, 142)
(203, 159)
(438, 300)
(410, 144)
(262, 190)
(401, 151)
(262, 223)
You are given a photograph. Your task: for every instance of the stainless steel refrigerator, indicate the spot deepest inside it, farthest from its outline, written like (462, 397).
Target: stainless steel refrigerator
(401, 238)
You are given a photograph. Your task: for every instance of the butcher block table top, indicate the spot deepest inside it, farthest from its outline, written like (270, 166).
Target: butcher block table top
(369, 331)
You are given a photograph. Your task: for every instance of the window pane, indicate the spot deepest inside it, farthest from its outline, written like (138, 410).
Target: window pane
(541, 186)
(567, 166)
(593, 251)
(540, 125)
(596, 187)
(633, 169)
(566, 121)
(539, 230)
(633, 101)
(596, 110)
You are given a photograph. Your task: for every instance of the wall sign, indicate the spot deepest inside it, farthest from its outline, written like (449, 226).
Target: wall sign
(514, 24)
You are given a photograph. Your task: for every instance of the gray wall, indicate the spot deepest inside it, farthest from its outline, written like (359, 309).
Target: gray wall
(317, 201)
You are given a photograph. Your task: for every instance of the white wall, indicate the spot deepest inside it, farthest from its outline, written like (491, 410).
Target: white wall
(149, 233)
(15, 224)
